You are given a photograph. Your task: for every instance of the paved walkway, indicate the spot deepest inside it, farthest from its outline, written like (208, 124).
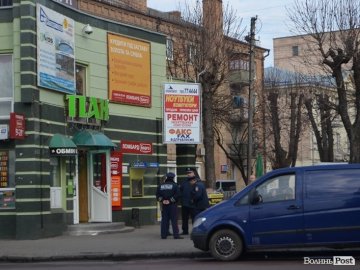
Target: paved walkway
(143, 242)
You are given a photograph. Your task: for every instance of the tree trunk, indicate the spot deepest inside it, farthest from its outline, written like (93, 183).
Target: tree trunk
(355, 145)
(208, 135)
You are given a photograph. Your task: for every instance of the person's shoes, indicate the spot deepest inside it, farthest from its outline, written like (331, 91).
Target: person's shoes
(178, 237)
(163, 237)
(184, 233)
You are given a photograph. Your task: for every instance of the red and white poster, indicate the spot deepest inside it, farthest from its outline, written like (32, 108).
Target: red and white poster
(140, 148)
(182, 113)
(17, 126)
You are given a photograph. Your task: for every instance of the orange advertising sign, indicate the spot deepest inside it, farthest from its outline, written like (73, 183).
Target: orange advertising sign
(116, 192)
(116, 180)
(129, 70)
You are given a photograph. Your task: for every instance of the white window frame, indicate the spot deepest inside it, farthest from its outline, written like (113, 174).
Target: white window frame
(57, 188)
(169, 49)
(11, 98)
(83, 74)
(191, 52)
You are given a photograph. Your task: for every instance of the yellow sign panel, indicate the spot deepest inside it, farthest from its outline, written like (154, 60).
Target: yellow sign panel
(215, 198)
(129, 70)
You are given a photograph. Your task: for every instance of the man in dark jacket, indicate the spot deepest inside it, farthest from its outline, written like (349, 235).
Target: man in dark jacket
(167, 194)
(187, 206)
(199, 195)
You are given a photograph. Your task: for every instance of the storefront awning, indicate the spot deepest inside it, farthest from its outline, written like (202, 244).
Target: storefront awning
(92, 138)
(60, 145)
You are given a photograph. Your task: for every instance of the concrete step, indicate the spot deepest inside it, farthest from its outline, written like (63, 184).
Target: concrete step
(97, 228)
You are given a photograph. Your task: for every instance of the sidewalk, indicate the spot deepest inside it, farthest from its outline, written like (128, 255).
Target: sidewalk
(143, 242)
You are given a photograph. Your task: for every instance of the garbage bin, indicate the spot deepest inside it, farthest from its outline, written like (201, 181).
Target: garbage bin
(135, 217)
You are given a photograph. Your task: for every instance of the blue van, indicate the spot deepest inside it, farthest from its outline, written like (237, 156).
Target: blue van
(291, 207)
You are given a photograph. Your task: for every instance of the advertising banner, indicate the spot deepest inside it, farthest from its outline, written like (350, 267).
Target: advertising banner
(140, 148)
(116, 180)
(55, 50)
(17, 126)
(182, 113)
(129, 71)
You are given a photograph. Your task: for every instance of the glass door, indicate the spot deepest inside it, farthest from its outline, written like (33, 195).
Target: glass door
(100, 186)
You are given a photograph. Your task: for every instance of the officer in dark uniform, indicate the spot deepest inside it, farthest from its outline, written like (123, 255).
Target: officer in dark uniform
(199, 195)
(167, 194)
(187, 205)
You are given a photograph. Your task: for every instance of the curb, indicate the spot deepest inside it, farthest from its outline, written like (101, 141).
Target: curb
(106, 256)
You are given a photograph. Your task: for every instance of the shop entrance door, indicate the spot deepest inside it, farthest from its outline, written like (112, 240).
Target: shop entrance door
(99, 186)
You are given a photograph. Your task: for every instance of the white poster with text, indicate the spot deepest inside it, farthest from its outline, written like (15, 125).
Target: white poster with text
(182, 113)
(56, 51)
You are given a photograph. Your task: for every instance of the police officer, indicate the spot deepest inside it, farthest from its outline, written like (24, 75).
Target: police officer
(187, 205)
(199, 195)
(167, 194)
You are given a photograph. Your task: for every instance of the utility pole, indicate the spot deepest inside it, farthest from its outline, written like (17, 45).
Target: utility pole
(251, 40)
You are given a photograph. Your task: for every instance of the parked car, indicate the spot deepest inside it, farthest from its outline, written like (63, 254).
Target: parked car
(291, 207)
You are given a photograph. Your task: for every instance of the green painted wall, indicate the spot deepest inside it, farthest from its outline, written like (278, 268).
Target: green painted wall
(34, 218)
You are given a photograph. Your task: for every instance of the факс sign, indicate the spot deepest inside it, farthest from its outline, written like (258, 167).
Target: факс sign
(79, 106)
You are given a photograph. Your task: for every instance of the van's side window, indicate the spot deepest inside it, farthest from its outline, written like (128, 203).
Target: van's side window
(280, 188)
(333, 183)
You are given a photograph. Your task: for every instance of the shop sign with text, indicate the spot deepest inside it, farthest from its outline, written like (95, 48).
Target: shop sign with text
(87, 107)
(116, 180)
(129, 70)
(17, 126)
(140, 148)
(59, 151)
(182, 113)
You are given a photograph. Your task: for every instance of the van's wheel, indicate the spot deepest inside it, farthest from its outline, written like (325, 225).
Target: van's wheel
(226, 245)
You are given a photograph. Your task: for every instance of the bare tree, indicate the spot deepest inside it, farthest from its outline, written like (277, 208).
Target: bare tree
(285, 114)
(321, 114)
(332, 29)
(203, 46)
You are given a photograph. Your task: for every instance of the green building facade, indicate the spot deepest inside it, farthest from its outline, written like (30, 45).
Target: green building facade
(72, 149)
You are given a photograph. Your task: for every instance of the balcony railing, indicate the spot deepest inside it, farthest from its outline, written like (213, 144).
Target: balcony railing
(239, 76)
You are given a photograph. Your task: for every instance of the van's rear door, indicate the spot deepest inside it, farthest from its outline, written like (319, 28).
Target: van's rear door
(332, 205)
(278, 218)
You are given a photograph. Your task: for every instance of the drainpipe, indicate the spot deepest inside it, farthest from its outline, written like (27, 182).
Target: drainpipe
(263, 112)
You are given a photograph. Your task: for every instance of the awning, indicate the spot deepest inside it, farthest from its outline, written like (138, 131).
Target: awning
(60, 145)
(92, 138)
